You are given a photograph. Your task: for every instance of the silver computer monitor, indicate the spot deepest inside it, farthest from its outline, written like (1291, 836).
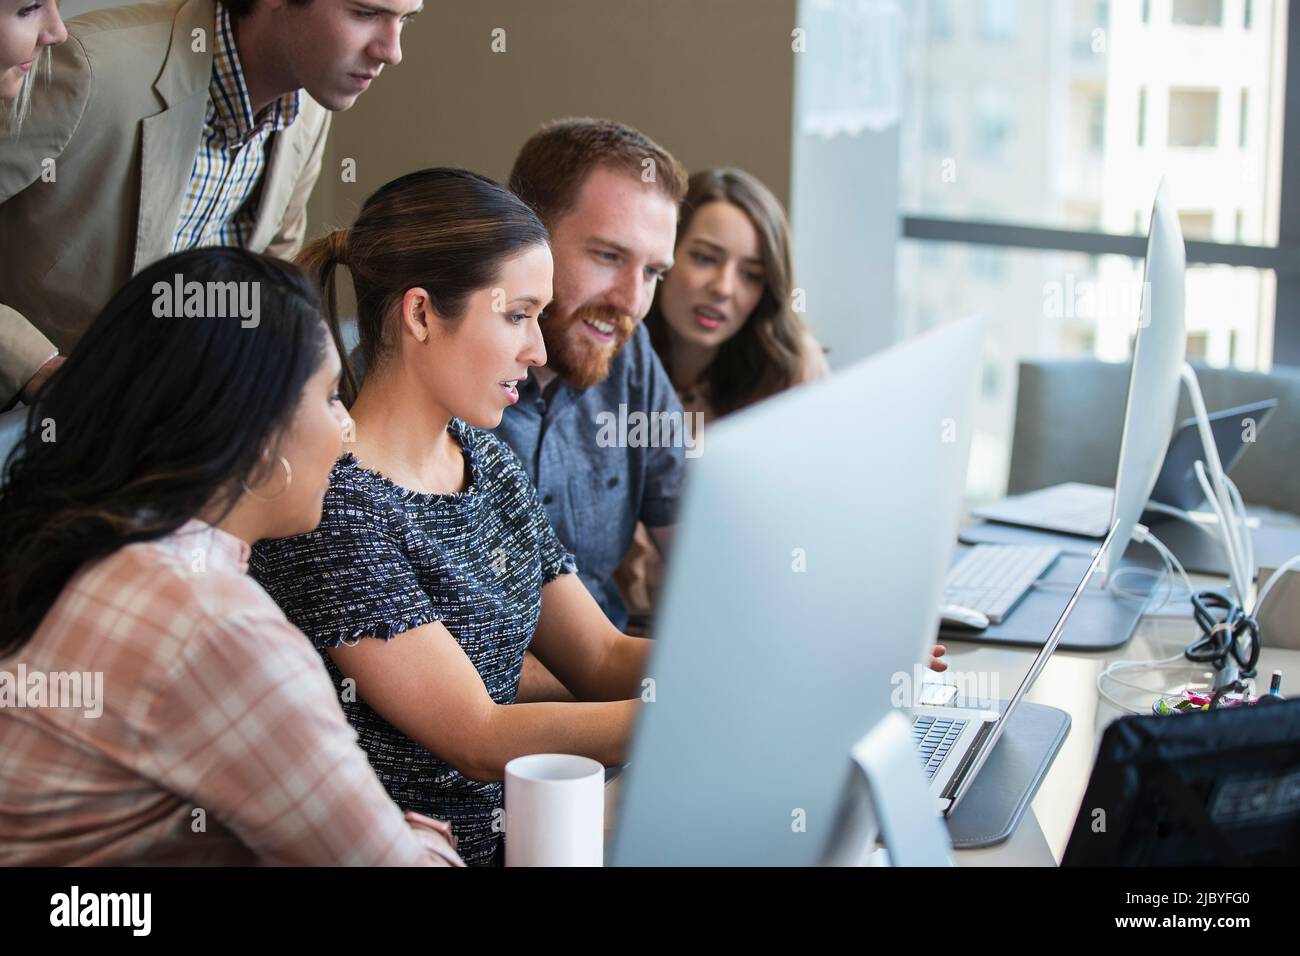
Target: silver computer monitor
(808, 565)
(1158, 355)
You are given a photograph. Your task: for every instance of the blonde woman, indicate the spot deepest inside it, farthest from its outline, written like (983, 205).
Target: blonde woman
(28, 30)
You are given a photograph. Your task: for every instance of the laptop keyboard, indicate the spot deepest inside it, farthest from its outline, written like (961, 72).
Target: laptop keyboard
(934, 737)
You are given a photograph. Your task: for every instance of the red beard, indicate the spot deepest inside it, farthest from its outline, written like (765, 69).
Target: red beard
(575, 356)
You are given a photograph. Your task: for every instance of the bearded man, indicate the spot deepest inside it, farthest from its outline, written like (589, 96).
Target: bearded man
(609, 196)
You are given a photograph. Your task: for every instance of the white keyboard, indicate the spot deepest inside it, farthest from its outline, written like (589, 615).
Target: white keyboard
(1073, 508)
(992, 578)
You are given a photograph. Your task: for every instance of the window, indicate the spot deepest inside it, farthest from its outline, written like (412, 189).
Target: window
(992, 124)
(998, 20)
(936, 125)
(1047, 304)
(1241, 119)
(1193, 118)
(1047, 134)
(1078, 340)
(1231, 311)
(1090, 20)
(990, 380)
(988, 262)
(1097, 123)
(1198, 13)
(1197, 225)
(1080, 145)
(933, 255)
(940, 19)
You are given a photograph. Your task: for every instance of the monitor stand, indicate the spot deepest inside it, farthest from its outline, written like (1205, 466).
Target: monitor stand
(887, 797)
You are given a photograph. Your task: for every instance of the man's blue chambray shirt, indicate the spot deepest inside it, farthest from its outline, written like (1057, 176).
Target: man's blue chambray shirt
(594, 495)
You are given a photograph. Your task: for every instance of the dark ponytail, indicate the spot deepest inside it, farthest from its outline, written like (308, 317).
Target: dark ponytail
(321, 259)
(447, 231)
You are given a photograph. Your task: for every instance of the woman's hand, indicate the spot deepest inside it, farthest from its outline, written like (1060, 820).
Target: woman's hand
(437, 838)
(933, 661)
(43, 375)
(576, 642)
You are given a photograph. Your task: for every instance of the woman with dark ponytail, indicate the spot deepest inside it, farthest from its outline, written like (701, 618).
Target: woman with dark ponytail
(157, 706)
(435, 568)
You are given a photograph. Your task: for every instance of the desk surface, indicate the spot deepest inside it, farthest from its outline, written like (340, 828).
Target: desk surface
(1069, 682)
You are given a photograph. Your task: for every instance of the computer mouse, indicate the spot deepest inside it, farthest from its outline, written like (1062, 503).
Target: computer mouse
(958, 616)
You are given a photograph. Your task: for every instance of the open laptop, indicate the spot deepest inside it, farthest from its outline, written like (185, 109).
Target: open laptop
(954, 742)
(1084, 510)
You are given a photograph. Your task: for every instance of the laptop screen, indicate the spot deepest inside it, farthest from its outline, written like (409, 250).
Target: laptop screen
(1036, 668)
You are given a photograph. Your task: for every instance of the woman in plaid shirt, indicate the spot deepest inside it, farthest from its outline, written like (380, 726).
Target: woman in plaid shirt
(155, 704)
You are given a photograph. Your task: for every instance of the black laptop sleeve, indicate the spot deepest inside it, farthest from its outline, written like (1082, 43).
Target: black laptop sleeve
(1208, 788)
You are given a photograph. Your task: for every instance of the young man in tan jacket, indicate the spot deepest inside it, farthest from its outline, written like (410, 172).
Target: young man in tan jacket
(168, 126)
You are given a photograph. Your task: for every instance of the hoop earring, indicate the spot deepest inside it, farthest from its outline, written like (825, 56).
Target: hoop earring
(288, 480)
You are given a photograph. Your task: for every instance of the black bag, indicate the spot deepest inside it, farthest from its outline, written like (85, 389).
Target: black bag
(1218, 787)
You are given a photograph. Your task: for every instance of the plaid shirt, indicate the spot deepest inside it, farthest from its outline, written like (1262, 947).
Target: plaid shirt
(220, 205)
(211, 701)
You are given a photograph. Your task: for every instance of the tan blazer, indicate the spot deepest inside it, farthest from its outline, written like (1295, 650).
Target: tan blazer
(121, 120)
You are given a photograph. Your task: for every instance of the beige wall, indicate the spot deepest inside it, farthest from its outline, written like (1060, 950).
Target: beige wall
(711, 80)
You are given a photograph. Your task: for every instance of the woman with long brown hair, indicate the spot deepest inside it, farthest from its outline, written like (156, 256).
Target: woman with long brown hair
(724, 320)
(723, 323)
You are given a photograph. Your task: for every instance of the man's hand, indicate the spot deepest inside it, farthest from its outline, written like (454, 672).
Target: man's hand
(43, 375)
(933, 661)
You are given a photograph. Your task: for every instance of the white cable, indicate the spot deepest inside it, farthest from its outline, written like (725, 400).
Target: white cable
(1221, 524)
(1139, 687)
(1226, 536)
(1139, 596)
(1184, 515)
(1224, 498)
(1171, 662)
(1272, 580)
(1171, 560)
(1243, 529)
(1142, 534)
(1217, 493)
(1116, 703)
(1233, 534)
(1177, 659)
(1241, 536)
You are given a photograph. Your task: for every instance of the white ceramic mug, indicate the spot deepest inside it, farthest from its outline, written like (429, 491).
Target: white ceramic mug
(555, 811)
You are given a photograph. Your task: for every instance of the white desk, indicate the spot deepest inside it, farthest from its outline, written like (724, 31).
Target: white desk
(1069, 683)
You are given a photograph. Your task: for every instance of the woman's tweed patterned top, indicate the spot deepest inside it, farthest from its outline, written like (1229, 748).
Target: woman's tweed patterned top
(385, 560)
